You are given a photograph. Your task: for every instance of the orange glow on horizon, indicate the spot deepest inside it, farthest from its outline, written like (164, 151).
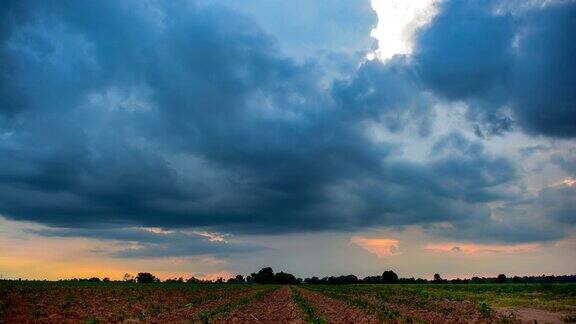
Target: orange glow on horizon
(380, 247)
(480, 248)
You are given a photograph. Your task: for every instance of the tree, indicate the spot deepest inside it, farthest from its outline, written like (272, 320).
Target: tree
(477, 280)
(264, 276)
(501, 278)
(437, 278)
(146, 277)
(390, 277)
(313, 280)
(284, 278)
(193, 280)
(128, 277)
(237, 279)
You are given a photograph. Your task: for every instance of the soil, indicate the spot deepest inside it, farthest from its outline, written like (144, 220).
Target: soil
(439, 311)
(126, 303)
(277, 307)
(113, 304)
(190, 314)
(335, 311)
(429, 311)
(530, 315)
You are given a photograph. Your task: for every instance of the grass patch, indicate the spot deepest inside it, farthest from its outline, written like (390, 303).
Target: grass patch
(308, 311)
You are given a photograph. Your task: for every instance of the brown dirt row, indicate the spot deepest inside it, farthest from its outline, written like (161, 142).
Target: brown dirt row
(436, 311)
(277, 307)
(191, 314)
(123, 305)
(531, 315)
(335, 311)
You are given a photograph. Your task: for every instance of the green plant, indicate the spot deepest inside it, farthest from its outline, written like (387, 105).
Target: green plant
(141, 315)
(207, 315)
(485, 310)
(355, 298)
(308, 311)
(154, 309)
(121, 315)
(93, 320)
(67, 302)
(38, 311)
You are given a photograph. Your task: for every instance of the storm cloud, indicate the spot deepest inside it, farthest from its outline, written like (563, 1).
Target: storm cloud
(191, 115)
(500, 56)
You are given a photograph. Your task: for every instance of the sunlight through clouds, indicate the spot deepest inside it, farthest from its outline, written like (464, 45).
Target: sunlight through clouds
(397, 22)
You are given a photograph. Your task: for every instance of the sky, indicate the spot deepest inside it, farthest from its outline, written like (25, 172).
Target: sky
(209, 138)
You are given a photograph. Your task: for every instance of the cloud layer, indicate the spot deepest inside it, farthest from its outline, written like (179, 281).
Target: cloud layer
(193, 115)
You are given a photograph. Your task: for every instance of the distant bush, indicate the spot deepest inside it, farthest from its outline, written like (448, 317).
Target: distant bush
(284, 278)
(237, 279)
(313, 280)
(267, 276)
(146, 277)
(390, 277)
(193, 280)
(264, 276)
(438, 279)
(501, 278)
(128, 277)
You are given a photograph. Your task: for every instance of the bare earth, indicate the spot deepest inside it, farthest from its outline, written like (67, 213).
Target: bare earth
(180, 303)
(187, 314)
(276, 307)
(437, 311)
(530, 315)
(155, 305)
(335, 311)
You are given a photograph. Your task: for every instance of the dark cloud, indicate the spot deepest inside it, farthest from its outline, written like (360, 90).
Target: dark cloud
(559, 203)
(488, 230)
(466, 50)
(545, 71)
(178, 115)
(388, 93)
(498, 57)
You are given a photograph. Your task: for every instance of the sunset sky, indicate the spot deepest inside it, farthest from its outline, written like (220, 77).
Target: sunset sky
(326, 137)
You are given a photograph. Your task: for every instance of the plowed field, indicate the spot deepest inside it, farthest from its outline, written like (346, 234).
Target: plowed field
(60, 302)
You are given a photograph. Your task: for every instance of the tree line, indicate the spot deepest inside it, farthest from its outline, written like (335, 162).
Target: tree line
(268, 276)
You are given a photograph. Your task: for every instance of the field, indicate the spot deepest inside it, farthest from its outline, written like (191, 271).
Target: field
(68, 302)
